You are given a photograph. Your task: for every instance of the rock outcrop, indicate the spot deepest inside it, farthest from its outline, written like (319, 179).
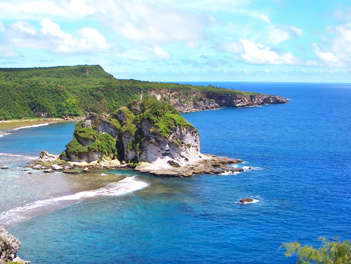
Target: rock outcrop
(246, 200)
(191, 101)
(149, 135)
(9, 245)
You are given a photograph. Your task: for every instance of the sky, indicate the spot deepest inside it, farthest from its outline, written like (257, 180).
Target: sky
(183, 40)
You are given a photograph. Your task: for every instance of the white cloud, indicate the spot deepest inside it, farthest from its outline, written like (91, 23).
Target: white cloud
(2, 28)
(278, 34)
(234, 47)
(337, 49)
(159, 53)
(51, 37)
(134, 19)
(326, 57)
(260, 54)
(8, 52)
(341, 45)
(22, 9)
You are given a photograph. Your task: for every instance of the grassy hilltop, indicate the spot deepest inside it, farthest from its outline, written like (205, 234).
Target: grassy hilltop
(74, 91)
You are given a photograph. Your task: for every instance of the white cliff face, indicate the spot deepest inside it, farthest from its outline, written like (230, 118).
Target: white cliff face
(182, 145)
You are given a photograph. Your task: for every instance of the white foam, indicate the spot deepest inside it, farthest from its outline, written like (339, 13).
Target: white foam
(248, 168)
(230, 173)
(40, 125)
(23, 213)
(2, 135)
(17, 155)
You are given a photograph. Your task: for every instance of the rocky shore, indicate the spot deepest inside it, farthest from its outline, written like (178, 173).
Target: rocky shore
(9, 245)
(192, 101)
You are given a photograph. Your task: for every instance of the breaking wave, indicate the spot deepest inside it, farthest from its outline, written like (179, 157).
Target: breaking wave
(40, 125)
(2, 135)
(23, 213)
(18, 155)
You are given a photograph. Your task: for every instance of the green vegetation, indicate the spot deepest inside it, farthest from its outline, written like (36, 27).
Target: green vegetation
(330, 252)
(163, 115)
(104, 143)
(74, 91)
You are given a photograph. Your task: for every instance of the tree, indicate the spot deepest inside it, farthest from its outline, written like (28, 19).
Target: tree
(333, 251)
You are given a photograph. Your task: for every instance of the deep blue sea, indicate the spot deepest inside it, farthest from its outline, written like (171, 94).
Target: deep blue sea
(300, 159)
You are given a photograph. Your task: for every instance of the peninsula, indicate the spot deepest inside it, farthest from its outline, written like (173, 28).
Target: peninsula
(62, 92)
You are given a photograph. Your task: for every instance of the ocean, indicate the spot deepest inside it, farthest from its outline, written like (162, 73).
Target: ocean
(297, 163)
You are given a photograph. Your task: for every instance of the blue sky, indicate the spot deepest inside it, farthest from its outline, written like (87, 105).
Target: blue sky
(183, 40)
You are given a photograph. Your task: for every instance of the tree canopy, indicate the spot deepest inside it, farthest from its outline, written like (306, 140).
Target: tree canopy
(330, 251)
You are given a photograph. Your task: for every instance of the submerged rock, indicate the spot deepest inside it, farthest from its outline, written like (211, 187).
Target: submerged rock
(9, 245)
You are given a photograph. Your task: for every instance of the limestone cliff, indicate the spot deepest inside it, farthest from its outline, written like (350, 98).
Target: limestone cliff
(9, 245)
(190, 100)
(141, 132)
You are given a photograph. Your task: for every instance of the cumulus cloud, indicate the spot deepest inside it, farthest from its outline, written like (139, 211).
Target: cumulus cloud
(51, 37)
(260, 54)
(326, 57)
(278, 34)
(159, 53)
(336, 50)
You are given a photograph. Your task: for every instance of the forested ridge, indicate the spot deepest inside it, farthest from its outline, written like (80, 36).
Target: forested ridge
(74, 91)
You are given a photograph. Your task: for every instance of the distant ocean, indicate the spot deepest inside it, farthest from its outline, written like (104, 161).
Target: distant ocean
(300, 159)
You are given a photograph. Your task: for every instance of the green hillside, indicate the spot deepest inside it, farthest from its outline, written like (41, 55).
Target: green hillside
(73, 91)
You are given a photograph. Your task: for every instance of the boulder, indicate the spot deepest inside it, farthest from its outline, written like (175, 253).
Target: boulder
(48, 171)
(45, 156)
(4, 168)
(57, 167)
(246, 200)
(37, 167)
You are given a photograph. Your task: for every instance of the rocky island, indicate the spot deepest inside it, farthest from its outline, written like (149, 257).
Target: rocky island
(148, 135)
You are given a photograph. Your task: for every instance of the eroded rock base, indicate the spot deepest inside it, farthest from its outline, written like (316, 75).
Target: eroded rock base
(207, 164)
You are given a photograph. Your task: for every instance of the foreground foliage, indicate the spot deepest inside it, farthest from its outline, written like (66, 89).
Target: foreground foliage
(74, 91)
(333, 251)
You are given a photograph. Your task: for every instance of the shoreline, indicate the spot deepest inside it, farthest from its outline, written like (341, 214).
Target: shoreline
(9, 125)
(45, 119)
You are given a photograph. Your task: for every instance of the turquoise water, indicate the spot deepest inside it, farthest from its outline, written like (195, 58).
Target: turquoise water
(301, 174)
